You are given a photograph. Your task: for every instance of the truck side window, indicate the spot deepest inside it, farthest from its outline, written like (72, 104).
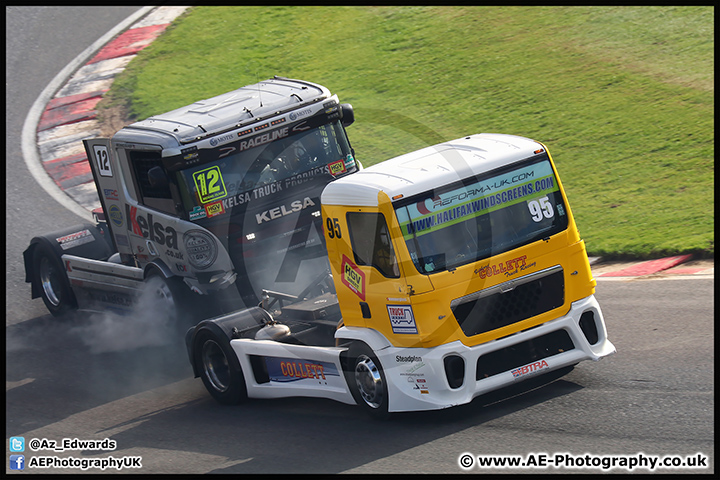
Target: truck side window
(152, 181)
(370, 239)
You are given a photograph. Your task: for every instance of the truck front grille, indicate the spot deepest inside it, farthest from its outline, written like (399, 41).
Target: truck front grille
(510, 302)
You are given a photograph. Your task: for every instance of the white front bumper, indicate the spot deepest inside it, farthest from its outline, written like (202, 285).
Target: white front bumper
(417, 380)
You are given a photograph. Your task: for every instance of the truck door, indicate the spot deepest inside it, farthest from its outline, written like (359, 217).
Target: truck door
(108, 179)
(371, 289)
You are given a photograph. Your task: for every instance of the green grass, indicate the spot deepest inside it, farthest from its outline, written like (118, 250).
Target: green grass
(622, 96)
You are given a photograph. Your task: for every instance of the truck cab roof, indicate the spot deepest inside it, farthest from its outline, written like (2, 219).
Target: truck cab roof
(217, 115)
(428, 168)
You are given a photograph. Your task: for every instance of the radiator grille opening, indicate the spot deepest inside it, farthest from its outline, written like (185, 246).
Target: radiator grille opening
(501, 308)
(523, 353)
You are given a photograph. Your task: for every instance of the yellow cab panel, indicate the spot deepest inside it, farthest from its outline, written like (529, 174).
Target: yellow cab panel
(469, 242)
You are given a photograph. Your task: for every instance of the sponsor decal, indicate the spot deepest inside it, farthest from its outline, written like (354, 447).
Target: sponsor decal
(190, 153)
(485, 196)
(336, 168)
(214, 209)
(300, 114)
(282, 210)
(144, 226)
(110, 194)
(116, 216)
(407, 359)
(215, 141)
(201, 248)
(530, 368)
(75, 239)
(293, 370)
(353, 277)
(262, 139)
(122, 240)
(508, 268)
(197, 213)
(209, 184)
(181, 268)
(402, 319)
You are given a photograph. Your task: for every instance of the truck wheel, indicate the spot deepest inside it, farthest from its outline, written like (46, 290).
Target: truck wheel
(219, 369)
(172, 299)
(367, 381)
(54, 284)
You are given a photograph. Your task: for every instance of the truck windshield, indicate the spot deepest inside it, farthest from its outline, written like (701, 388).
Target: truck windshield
(247, 170)
(482, 216)
(260, 195)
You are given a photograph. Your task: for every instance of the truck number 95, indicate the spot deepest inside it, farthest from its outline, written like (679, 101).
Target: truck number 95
(333, 227)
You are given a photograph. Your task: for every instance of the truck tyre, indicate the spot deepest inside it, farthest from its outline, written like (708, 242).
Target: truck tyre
(53, 281)
(219, 368)
(173, 300)
(367, 382)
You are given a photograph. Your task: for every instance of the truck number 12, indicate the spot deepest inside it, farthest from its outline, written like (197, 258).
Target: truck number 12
(103, 160)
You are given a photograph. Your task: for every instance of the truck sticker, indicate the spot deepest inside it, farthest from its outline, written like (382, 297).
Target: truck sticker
(111, 194)
(103, 160)
(402, 319)
(530, 368)
(530, 184)
(509, 267)
(353, 277)
(293, 369)
(281, 211)
(262, 139)
(116, 216)
(336, 168)
(214, 209)
(201, 248)
(209, 184)
(75, 239)
(197, 213)
(146, 228)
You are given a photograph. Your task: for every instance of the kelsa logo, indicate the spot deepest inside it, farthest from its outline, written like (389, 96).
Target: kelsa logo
(353, 278)
(153, 231)
(281, 211)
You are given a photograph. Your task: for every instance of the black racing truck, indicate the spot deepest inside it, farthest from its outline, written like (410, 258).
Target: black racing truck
(210, 204)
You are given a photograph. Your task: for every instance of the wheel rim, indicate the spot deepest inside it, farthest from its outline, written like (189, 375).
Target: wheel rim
(50, 281)
(163, 299)
(215, 365)
(369, 382)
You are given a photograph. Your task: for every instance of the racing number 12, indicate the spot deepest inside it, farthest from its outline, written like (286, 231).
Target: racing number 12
(103, 160)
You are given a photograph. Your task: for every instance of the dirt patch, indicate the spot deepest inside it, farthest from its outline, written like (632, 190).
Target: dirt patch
(112, 119)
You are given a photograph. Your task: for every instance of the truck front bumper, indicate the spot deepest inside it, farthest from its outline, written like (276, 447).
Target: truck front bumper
(454, 374)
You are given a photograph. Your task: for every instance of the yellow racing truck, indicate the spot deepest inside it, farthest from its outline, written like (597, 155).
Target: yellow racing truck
(454, 270)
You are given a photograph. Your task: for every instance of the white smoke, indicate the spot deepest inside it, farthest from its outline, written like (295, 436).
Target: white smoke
(150, 323)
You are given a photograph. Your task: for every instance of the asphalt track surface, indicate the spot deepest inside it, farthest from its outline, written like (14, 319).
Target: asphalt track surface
(88, 378)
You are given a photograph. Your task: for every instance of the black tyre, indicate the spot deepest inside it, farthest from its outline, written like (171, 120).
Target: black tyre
(367, 382)
(219, 368)
(53, 281)
(171, 299)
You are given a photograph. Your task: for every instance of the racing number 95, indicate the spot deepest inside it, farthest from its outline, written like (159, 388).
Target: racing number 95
(333, 227)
